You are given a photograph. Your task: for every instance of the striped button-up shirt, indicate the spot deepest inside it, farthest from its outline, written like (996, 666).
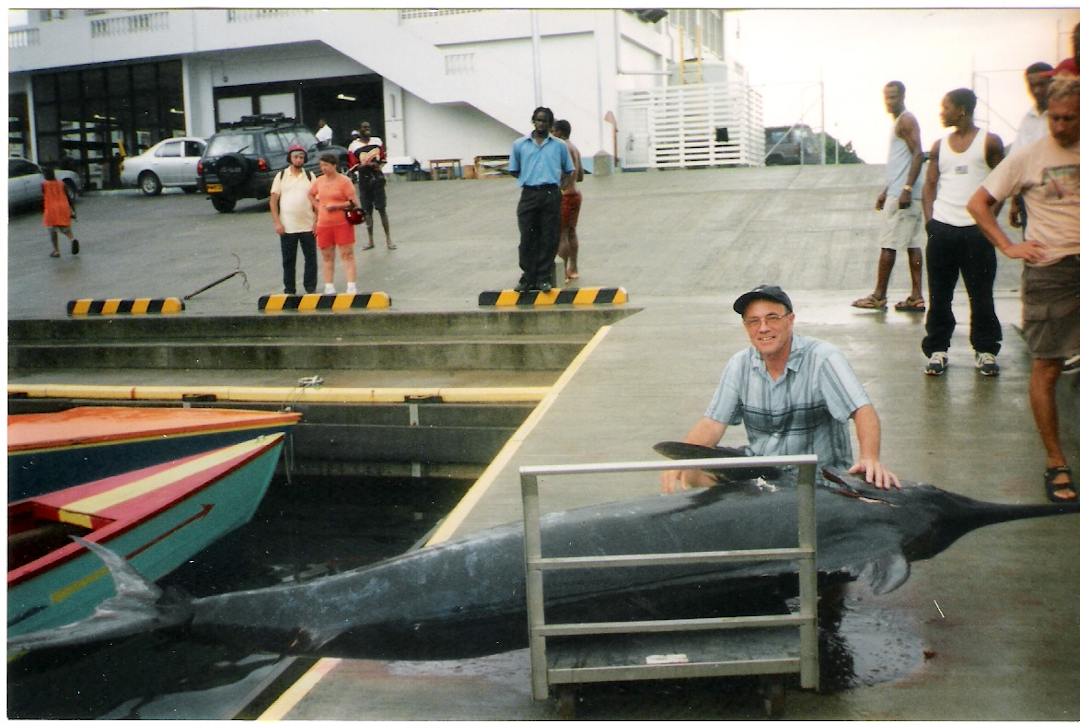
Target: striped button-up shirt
(805, 410)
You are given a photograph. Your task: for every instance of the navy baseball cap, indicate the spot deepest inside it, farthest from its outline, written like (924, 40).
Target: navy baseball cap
(763, 292)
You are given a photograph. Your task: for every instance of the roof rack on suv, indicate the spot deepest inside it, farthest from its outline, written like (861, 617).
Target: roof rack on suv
(261, 119)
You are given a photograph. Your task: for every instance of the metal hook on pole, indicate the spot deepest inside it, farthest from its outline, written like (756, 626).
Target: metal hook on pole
(230, 275)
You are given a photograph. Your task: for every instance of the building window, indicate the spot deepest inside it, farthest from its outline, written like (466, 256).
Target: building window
(88, 120)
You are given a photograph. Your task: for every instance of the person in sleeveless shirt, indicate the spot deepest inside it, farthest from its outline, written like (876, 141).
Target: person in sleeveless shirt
(903, 227)
(955, 246)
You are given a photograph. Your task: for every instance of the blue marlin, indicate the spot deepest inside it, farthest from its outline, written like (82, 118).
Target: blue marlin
(466, 597)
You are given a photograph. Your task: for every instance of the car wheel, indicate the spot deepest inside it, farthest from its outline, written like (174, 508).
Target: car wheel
(233, 170)
(190, 189)
(72, 192)
(223, 204)
(149, 183)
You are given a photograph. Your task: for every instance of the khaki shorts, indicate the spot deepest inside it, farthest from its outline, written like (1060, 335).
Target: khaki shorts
(1051, 325)
(904, 228)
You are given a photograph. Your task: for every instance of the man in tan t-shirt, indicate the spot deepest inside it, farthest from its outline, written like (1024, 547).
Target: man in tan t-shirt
(294, 220)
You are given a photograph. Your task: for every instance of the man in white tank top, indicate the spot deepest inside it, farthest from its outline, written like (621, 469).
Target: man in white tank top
(903, 225)
(958, 164)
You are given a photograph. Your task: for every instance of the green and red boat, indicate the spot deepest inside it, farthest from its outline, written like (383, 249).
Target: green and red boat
(157, 518)
(52, 451)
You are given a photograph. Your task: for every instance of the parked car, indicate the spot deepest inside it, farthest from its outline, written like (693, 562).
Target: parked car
(24, 182)
(172, 162)
(791, 145)
(241, 160)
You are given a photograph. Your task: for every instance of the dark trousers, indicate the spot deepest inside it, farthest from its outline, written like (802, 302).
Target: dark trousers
(952, 252)
(306, 240)
(539, 215)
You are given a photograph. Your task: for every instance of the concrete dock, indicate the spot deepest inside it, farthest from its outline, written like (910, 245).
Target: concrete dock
(987, 630)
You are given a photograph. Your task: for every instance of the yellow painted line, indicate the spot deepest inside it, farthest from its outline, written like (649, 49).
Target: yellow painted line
(81, 307)
(61, 594)
(299, 690)
(526, 394)
(469, 501)
(72, 517)
(110, 307)
(101, 501)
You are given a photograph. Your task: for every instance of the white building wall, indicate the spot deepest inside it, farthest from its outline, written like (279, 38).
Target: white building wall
(451, 132)
(448, 65)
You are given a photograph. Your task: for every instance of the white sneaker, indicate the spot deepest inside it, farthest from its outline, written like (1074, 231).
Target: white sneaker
(329, 290)
(986, 362)
(350, 289)
(937, 363)
(1071, 366)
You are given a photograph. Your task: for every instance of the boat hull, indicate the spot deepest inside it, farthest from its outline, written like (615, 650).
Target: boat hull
(157, 518)
(52, 451)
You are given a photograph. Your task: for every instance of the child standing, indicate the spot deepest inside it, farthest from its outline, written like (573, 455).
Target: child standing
(58, 212)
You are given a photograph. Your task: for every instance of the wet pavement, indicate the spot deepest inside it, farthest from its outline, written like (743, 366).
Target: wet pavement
(987, 630)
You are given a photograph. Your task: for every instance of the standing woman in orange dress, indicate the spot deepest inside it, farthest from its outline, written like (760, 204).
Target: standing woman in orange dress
(332, 194)
(58, 212)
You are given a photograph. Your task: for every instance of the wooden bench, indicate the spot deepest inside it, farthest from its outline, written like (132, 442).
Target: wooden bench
(445, 169)
(491, 167)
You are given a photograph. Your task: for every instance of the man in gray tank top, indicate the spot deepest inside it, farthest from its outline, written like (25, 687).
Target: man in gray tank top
(903, 227)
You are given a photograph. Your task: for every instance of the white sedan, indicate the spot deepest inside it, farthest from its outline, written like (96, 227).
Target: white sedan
(24, 182)
(172, 162)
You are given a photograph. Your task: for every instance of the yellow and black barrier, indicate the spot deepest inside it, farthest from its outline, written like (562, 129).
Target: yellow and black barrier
(141, 306)
(558, 296)
(333, 303)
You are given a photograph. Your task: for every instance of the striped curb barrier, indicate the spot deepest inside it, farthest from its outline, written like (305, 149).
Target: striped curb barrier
(141, 306)
(535, 298)
(333, 303)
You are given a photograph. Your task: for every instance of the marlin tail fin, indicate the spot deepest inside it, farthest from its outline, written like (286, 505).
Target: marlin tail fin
(138, 606)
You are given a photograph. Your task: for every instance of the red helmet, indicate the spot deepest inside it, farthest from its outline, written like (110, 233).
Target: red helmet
(298, 147)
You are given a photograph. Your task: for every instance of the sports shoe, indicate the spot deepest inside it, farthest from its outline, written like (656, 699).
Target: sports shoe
(544, 287)
(350, 288)
(987, 364)
(523, 287)
(330, 290)
(937, 363)
(1071, 366)
(74, 246)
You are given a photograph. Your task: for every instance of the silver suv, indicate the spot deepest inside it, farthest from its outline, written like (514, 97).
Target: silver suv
(791, 145)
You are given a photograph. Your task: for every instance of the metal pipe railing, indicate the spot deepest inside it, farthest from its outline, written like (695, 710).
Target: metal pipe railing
(804, 553)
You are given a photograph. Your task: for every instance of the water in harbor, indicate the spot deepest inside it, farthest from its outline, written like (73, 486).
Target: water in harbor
(307, 528)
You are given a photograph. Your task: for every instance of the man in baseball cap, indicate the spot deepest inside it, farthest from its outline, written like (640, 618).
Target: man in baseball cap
(793, 394)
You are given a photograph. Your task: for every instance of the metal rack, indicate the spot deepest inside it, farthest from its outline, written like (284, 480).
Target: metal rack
(707, 646)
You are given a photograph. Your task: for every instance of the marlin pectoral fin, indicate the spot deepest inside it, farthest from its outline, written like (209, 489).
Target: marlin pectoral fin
(138, 606)
(885, 573)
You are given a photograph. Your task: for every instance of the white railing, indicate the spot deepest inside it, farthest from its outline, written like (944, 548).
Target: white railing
(685, 126)
(460, 64)
(23, 38)
(579, 668)
(129, 24)
(244, 16)
(416, 14)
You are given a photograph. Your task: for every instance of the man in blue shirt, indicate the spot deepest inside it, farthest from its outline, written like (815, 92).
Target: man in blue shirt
(793, 394)
(541, 164)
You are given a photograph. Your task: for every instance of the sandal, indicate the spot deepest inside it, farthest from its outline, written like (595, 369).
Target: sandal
(54, 254)
(912, 304)
(870, 303)
(1053, 490)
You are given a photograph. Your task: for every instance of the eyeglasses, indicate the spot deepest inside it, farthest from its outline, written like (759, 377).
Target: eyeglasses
(770, 319)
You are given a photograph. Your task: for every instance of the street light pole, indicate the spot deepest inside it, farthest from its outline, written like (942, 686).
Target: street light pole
(536, 58)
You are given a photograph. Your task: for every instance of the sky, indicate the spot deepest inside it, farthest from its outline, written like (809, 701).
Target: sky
(790, 54)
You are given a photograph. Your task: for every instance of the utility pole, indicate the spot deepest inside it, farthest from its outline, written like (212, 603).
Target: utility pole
(536, 57)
